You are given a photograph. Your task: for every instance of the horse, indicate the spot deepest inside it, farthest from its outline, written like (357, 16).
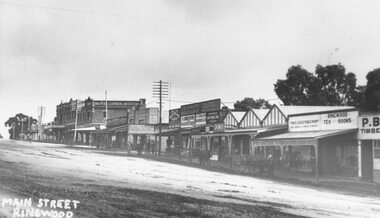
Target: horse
(204, 157)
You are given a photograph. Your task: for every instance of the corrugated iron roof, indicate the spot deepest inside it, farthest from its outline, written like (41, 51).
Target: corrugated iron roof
(295, 109)
(308, 134)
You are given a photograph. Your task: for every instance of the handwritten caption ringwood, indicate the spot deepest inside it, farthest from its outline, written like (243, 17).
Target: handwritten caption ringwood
(62, 208)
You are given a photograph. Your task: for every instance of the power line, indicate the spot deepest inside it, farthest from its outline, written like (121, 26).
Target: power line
(71, 10)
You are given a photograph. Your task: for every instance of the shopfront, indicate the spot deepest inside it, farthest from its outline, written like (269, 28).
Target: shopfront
(322, 143)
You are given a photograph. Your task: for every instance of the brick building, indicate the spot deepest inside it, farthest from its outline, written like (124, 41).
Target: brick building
(88, 115)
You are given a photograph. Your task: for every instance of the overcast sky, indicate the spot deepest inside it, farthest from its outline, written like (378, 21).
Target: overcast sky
(54, 50)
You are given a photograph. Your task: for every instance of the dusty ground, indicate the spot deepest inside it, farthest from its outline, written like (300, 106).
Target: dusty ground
(116, 186)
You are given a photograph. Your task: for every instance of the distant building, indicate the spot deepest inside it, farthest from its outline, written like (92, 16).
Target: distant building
(90, 115)
(138, 126)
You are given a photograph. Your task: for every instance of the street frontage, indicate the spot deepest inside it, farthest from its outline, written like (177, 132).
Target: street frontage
(78, 182)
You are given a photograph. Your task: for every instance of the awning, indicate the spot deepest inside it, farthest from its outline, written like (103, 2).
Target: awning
(171, 132)
(248, 131)
(299, 138)
(89, 128)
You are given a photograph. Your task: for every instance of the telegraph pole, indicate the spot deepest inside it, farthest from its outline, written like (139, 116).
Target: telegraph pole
(160, 90)
(76, 122)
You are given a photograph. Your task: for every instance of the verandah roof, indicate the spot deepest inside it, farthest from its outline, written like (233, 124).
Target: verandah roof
(299, 138)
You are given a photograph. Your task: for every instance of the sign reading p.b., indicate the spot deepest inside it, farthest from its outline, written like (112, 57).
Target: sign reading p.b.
(369, 127)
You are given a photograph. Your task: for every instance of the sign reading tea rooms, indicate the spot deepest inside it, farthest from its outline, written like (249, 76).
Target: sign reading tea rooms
(345, 119)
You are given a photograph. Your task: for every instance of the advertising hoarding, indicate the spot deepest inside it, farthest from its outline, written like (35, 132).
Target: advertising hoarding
(174, 119)
(201, 107)
(187, 121)
(213, 117)
(200, 119)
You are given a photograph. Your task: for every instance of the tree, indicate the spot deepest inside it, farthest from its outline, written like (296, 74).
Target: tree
(372, 91)
(330, 86)
(297, 88)
(247, 103)
(335, 86)
(16, 123)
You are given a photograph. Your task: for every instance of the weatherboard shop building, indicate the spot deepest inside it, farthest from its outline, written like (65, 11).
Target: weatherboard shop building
(369, 141)
(319, 139)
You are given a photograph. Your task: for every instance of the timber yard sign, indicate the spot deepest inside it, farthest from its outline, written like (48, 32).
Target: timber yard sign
(369, 127)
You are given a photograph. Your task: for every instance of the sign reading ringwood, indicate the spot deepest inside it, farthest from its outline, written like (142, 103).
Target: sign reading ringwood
(345, 119)
(369, 126)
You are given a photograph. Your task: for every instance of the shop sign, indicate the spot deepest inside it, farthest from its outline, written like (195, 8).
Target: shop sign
(201, 107)
(200, 119)
(213, 117)
(369, 127)
(188, 121)
(326, 121)
(141, 129)
(219, 127)
(174, 119)
(116, 104)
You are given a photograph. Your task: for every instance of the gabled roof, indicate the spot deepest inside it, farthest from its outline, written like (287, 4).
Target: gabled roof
(238, 115)
(295, 109)
(260, 113)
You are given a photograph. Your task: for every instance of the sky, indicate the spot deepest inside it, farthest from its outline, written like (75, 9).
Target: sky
(51, 51)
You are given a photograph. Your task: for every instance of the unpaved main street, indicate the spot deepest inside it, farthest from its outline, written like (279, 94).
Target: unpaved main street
(121, 186)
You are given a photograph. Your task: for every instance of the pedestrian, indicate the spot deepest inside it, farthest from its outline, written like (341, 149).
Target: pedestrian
(148, 145)
(270, 164)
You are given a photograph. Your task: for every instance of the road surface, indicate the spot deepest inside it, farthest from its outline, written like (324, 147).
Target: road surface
(105, 185)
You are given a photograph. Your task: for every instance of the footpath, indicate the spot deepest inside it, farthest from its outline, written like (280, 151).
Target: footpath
(347, 185)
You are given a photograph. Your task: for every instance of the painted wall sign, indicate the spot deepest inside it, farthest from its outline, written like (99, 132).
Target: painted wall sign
(324, 121)
(174, 119)
(188, 121)
(153, 116)
(369, 127)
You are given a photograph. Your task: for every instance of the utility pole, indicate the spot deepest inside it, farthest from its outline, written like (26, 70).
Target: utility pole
(160, 90)
(76, 122)
(105, 93)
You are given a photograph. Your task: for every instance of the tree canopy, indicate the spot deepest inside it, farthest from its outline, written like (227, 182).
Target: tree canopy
(17, 122)
(330, 85)
(248, 102)
(372, 91)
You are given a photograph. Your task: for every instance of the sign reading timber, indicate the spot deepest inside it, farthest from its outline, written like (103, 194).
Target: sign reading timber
(369, 127)
(324, 121)
(200, 114)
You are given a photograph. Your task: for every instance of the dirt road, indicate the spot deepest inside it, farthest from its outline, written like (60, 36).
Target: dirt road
(119, 186)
